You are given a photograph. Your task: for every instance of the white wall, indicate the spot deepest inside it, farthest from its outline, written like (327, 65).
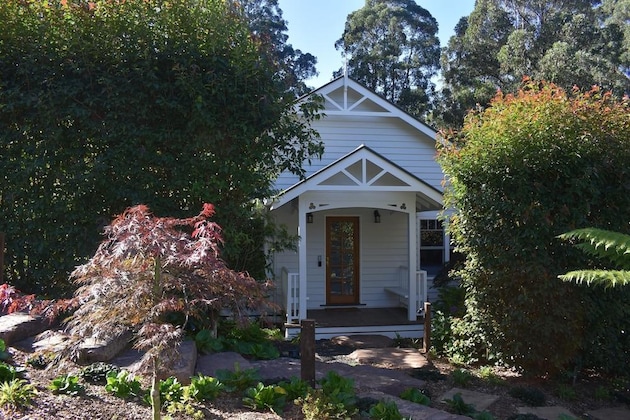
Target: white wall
(390, 137)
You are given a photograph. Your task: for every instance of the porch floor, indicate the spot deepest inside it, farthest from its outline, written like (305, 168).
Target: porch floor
(360, 317)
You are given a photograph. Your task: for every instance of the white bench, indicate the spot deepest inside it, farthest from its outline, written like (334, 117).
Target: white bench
(398, 291)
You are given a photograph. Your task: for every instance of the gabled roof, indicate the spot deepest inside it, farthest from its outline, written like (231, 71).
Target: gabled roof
(362, 170)
(344, 95)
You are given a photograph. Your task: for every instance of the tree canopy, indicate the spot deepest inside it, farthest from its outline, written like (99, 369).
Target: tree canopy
(391, 47)
(107, 104)
(530, 167)
(580, 43)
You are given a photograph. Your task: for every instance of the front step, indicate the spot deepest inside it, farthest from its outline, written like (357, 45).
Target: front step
(391, 331)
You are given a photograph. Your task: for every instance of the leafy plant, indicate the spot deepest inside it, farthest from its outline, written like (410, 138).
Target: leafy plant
(97, 372)
(339, 389)
(238, 380)
(487, 374)
(40, 360)
(66, 384)
(203, 388)
(566, 392)
(600, 243)
(123, 384)
(318, 406)
(385, 410)
(8, 372)
(510, 217)
(529, 395)
(416, 395)
(4, 354)
(161, 265)
(16, 394)
(461, 377)
(266, 397)
(295, 388)
(171, 390)
(602, 393)
(457, 405)
(207, 344)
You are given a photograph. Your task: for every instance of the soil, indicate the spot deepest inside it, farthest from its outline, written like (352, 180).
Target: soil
(96, 403)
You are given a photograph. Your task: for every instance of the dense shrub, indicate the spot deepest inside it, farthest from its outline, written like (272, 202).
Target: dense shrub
(530, 167)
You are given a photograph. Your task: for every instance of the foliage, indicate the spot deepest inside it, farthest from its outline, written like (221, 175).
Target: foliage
(529, 395)
(461, 377)
(149, 267)
(97, 372)
(123, 384)
(238, 379)
(566, 392)
(16, 394)
(335, 399)
(487, 374)
(339, 389)
(296, 388)
(385, 410)
(203, 388)
(319, 406)
(8, 372)
(613, 246)
(250, 340)
(4, 354)
(392, 48)
(532, 166)
(171, 392)
(166, 103)
(266, 397)
(41, 360)
(457, 405)
(206, 343)
(416, 395)
(66, 384)
(578, 43)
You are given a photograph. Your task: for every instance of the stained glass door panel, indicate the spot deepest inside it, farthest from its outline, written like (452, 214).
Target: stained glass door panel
(342, 260)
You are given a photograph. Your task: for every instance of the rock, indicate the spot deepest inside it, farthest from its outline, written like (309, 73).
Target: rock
(363, 341)
(479, 400)
(415, 411)
(93, 350)
(210, 363)
(18, 326)
(392, 358)
(184, 368)
(549, 413)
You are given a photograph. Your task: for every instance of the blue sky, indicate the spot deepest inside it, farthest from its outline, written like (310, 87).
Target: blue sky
(315, 25)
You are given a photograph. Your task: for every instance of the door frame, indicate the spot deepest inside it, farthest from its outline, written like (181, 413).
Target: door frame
(353, 299)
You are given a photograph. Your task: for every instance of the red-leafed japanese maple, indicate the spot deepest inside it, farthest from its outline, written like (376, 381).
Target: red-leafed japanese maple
(149, 268)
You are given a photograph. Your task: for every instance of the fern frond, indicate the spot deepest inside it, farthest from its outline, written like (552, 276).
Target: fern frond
(613, 246)
(608, 278)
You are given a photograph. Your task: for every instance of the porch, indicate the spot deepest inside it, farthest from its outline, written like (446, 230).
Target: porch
(331, 322)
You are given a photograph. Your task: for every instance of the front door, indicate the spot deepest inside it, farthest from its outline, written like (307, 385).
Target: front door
(342, 260)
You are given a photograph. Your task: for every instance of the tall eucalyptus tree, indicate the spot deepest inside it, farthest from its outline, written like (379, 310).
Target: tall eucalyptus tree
(391, 46)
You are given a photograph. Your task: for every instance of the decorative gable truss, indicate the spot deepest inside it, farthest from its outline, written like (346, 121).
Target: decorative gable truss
(363, 170)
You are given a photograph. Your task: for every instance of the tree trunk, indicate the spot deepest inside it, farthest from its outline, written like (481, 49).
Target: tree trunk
(155, 391)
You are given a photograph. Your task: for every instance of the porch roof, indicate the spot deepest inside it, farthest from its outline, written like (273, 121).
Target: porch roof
(363, 169)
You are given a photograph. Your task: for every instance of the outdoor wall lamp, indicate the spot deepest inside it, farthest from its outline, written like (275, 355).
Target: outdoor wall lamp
(309, 217)
(377, 217)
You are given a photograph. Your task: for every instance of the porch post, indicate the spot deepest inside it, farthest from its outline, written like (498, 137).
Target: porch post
(413, 289)
(303, 208)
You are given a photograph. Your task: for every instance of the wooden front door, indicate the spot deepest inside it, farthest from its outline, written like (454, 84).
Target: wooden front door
(342, 260)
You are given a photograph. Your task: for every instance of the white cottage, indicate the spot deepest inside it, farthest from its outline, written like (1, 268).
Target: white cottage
(369, 240)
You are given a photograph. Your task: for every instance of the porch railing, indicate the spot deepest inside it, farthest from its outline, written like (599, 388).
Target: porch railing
(291, 291)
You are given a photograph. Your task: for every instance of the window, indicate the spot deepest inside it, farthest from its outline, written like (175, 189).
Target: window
(431, 246)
